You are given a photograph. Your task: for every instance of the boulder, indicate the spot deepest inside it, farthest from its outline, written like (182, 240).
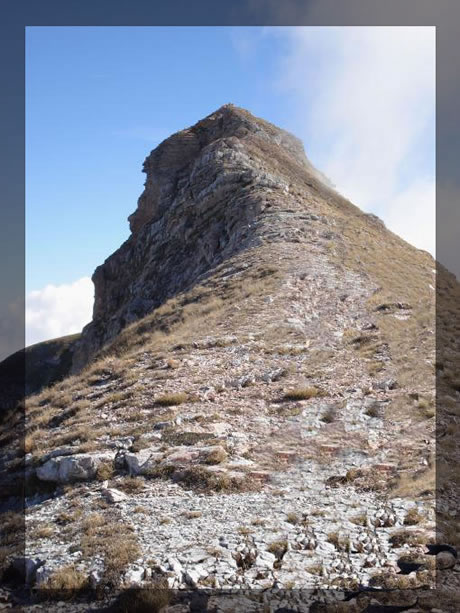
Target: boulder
(194, 575)
(182, 455)
(42, 574)
(112, 495)
(143, 461)
(28, 568)
(66, 469)
(445, 560)
(134, 575)
(61, 451)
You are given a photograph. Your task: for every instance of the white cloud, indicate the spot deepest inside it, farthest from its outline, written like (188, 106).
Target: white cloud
(58, 310)
(365, 105)
(412, 214)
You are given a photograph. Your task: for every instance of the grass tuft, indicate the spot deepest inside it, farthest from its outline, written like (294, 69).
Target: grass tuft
(303, 393)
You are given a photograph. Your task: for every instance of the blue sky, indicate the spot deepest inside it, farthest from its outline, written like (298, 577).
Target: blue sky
(98, 99)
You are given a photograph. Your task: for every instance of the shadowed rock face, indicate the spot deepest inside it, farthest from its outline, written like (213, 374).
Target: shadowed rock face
(205, 188)
(29, 370)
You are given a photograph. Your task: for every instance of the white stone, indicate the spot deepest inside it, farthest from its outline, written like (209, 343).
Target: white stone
(141, 462)
(134, 575)
(192, 577)
(112, 495)
(175, 566)
(79, 467)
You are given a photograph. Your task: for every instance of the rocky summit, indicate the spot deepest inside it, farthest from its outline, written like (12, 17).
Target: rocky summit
(252, 408)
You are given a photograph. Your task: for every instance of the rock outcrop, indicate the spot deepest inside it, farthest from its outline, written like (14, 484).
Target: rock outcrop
(206, 188)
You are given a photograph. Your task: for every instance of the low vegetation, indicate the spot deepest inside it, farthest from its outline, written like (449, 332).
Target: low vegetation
(131, 485)
(413, 517)
(278, 548)
(169, 400)
(406, 537)
(293, 518)
(64, 584)
(302, 393)
(150, 599)
(197, 477)
(216, 456)
(111, 539)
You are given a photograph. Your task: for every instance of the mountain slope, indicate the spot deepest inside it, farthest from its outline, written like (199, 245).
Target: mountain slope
(253, 404)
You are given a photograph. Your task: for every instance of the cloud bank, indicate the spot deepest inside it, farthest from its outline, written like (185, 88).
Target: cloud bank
(364, 101)
(58, 310)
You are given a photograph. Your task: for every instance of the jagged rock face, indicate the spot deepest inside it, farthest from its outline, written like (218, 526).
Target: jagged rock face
(205, 188)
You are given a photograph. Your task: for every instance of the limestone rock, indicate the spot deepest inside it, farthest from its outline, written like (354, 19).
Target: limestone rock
(113, 495)
(134, 575)
(142, 462)
(80, 467)
(190, 216)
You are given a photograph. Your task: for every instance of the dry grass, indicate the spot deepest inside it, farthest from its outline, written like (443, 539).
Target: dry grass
(163, 521)
(192, 514)
(168, 400)
(105, 368)
(65, 517)
(286, 411)
(113, 540)
(171, 436)
(315, 569)
(334, 538)
(414, 485)
(389, 581)
(413, 517)
(359, 520)
(293, 518)
(11, 522)
(426, 407)
(84, 433)
(33, 440)
(105, 471)
(43, 531)
(131, 485)
(197, 477)
(12, 535)
(216, 456)
(64, 584)
(278, 548)
(406, 537)
(151, 599)
(302, 393)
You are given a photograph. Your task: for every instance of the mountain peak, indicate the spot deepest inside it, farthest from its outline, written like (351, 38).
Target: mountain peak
(229, 185)
(227, 127)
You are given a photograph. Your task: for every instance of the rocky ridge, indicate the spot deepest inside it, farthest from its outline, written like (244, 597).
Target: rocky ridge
(205, 188)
